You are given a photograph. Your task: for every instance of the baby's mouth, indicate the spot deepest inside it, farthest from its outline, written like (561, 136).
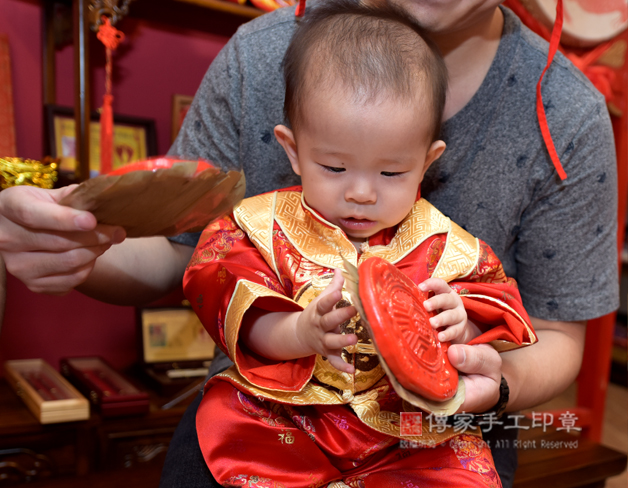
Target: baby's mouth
(356, 223)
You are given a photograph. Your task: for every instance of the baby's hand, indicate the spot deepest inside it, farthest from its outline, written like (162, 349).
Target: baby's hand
(318, 326)
(452, 317)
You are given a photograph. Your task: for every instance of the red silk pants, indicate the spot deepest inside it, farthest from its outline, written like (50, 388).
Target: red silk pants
(250, 443)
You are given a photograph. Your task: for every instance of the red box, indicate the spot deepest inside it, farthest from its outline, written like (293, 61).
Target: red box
(106, 389)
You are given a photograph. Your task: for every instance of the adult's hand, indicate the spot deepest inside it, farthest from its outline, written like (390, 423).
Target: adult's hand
(49, 247)
(481, 368)
(535, 374)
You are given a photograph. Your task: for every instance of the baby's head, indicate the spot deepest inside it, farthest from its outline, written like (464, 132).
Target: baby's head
(365, 93)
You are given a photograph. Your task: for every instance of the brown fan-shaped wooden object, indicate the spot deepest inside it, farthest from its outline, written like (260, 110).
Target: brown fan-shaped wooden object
(160, 197)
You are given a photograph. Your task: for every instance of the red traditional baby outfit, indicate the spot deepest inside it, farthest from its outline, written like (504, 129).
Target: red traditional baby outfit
(302, 422)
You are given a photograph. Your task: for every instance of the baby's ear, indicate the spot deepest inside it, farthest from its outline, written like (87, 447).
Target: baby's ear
(285, 137)
(434, 152)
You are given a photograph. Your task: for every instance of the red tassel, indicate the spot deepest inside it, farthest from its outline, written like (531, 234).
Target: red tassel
(540, 110)
(111, 38)
(106, 135)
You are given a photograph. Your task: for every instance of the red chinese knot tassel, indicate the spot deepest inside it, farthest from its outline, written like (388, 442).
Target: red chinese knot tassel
(111, 38)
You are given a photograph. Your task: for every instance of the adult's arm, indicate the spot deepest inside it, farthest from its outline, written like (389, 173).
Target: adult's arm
(541, 372)
(535, 374)
(138, 271)
(54, 249)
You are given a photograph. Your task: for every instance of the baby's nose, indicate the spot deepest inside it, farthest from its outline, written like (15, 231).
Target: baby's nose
(361, 191)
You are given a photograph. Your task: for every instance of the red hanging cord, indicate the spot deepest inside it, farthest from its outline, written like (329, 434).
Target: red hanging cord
(111, 38)
(300, 9)
(540, 110)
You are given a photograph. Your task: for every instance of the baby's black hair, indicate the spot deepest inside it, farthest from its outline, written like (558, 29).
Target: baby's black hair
(373, 51)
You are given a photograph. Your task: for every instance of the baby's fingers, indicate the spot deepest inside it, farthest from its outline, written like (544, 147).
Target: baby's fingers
(331, 295)
(325, 303)
(336, 341)
(447, 301)
(454, 333)
(449, 318)
(331, 320)
(341, 365)
(439, 286)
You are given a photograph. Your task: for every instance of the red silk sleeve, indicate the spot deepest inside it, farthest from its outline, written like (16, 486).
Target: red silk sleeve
(493, 303)
(225, 277)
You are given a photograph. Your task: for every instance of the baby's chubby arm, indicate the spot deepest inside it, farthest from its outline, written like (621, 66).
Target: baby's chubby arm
(457, 328)
(293, 335)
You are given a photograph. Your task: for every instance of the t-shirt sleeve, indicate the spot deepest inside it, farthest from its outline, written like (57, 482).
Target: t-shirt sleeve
(210, 129)
(189, 239)
(567, 248)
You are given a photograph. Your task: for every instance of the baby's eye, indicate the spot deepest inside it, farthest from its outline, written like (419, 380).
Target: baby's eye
(335, 170)
(391, 174)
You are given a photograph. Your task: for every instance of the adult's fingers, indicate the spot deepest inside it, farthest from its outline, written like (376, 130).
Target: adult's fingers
(37, 269)
(482, 367)
(15, 238)
(62, 284)
(37, 208)
(476, 359)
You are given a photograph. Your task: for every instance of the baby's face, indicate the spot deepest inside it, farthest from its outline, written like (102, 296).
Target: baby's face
(360, 164)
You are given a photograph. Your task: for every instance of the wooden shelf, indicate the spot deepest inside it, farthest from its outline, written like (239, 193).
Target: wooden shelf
(226, 6)
(101, 452)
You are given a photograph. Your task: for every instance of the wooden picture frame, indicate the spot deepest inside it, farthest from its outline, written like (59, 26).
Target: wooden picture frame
(180, 106)
(173, 335)
(135, 139)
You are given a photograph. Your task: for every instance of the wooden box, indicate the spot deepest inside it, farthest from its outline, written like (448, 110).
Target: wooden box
(44, 391)
(108, 390)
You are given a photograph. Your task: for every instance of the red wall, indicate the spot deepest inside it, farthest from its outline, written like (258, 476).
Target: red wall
(157, 60)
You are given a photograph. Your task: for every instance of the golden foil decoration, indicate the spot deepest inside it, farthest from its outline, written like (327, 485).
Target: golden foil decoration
(20, 171)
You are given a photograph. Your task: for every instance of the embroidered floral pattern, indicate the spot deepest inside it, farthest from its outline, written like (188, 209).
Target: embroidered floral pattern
(217, 241)
(271, 282)
(293, 267)
(474, 455)
(434, 253)
(253, 481)
(488, 268)
(255, 407)
(339, 421)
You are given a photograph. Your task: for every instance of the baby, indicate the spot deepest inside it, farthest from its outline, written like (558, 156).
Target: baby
(307, 402)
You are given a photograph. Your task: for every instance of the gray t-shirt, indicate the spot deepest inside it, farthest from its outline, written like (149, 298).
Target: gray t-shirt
(557, 239)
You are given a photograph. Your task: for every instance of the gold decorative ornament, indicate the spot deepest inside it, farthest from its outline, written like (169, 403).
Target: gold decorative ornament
(113, 9)
(21, 171)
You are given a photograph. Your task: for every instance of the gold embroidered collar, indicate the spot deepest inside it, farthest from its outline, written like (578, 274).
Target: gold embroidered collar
(323, 243)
